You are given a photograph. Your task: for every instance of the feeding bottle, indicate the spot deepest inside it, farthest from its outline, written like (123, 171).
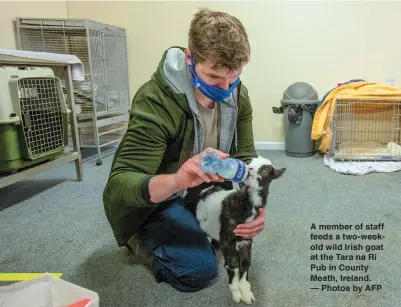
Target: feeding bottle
(230, 169)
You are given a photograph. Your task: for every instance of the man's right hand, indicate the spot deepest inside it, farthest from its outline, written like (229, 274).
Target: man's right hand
(190, 175)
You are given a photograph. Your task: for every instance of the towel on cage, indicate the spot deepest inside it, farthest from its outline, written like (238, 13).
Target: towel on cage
(321, 126)
(349, 81)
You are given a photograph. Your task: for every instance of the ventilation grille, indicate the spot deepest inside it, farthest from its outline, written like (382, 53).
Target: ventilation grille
(41, 115)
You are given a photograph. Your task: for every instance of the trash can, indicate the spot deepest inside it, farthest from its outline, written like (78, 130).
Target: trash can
(299, 104)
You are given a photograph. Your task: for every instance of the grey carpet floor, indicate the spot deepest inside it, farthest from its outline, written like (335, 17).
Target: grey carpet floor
(53, 223)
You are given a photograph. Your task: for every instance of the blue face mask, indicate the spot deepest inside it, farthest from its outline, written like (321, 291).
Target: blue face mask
(212, 92)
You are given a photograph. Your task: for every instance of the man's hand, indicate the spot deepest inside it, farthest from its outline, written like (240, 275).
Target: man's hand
(251, 229)
(190, 175)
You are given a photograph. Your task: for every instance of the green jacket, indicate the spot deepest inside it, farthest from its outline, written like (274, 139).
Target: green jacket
(163, 132)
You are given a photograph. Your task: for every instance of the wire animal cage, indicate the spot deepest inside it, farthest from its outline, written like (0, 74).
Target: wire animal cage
(366, 130)
(102, 100)
(33, 117)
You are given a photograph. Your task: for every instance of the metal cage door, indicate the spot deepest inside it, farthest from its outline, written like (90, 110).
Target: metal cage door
(116, 72)
(98, 77)
(123, 72)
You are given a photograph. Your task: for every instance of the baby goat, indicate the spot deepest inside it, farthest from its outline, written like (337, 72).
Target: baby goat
(219, 211)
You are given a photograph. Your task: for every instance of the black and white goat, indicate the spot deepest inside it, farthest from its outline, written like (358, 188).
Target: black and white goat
(219, 211)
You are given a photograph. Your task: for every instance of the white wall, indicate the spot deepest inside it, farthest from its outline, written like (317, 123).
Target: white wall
(9, 10)
(319, 42)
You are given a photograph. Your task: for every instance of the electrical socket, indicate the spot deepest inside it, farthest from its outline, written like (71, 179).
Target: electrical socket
(390, 81)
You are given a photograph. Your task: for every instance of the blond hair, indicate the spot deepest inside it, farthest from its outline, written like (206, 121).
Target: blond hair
(219, 38)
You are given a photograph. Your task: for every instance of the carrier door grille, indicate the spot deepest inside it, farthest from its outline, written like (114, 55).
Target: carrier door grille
(41, 115)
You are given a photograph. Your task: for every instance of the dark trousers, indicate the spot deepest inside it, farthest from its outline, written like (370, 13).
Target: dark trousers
(183, 256)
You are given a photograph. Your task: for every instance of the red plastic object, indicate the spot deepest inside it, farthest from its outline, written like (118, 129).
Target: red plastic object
(82, 303)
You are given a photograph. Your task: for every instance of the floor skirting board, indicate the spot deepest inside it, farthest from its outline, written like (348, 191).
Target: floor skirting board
(269, 145)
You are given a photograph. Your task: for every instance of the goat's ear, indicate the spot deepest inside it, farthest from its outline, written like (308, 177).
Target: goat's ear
(278, 172)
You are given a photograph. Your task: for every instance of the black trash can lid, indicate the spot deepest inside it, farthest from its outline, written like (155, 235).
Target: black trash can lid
(300, 93)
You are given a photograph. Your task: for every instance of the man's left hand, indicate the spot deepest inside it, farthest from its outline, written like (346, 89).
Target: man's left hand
(251, 229)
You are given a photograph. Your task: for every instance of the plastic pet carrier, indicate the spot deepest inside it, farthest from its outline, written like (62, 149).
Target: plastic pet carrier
(33, 117)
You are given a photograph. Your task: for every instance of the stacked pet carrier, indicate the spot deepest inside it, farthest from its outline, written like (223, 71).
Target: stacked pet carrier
(102, 100)
(33, 117)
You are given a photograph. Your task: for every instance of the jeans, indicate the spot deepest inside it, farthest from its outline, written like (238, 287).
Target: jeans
(183, 256)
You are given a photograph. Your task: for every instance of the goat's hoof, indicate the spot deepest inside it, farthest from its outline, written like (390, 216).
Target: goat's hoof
(248, 297)
(237, 296)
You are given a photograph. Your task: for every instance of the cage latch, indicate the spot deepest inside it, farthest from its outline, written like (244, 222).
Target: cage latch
(27, 119)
